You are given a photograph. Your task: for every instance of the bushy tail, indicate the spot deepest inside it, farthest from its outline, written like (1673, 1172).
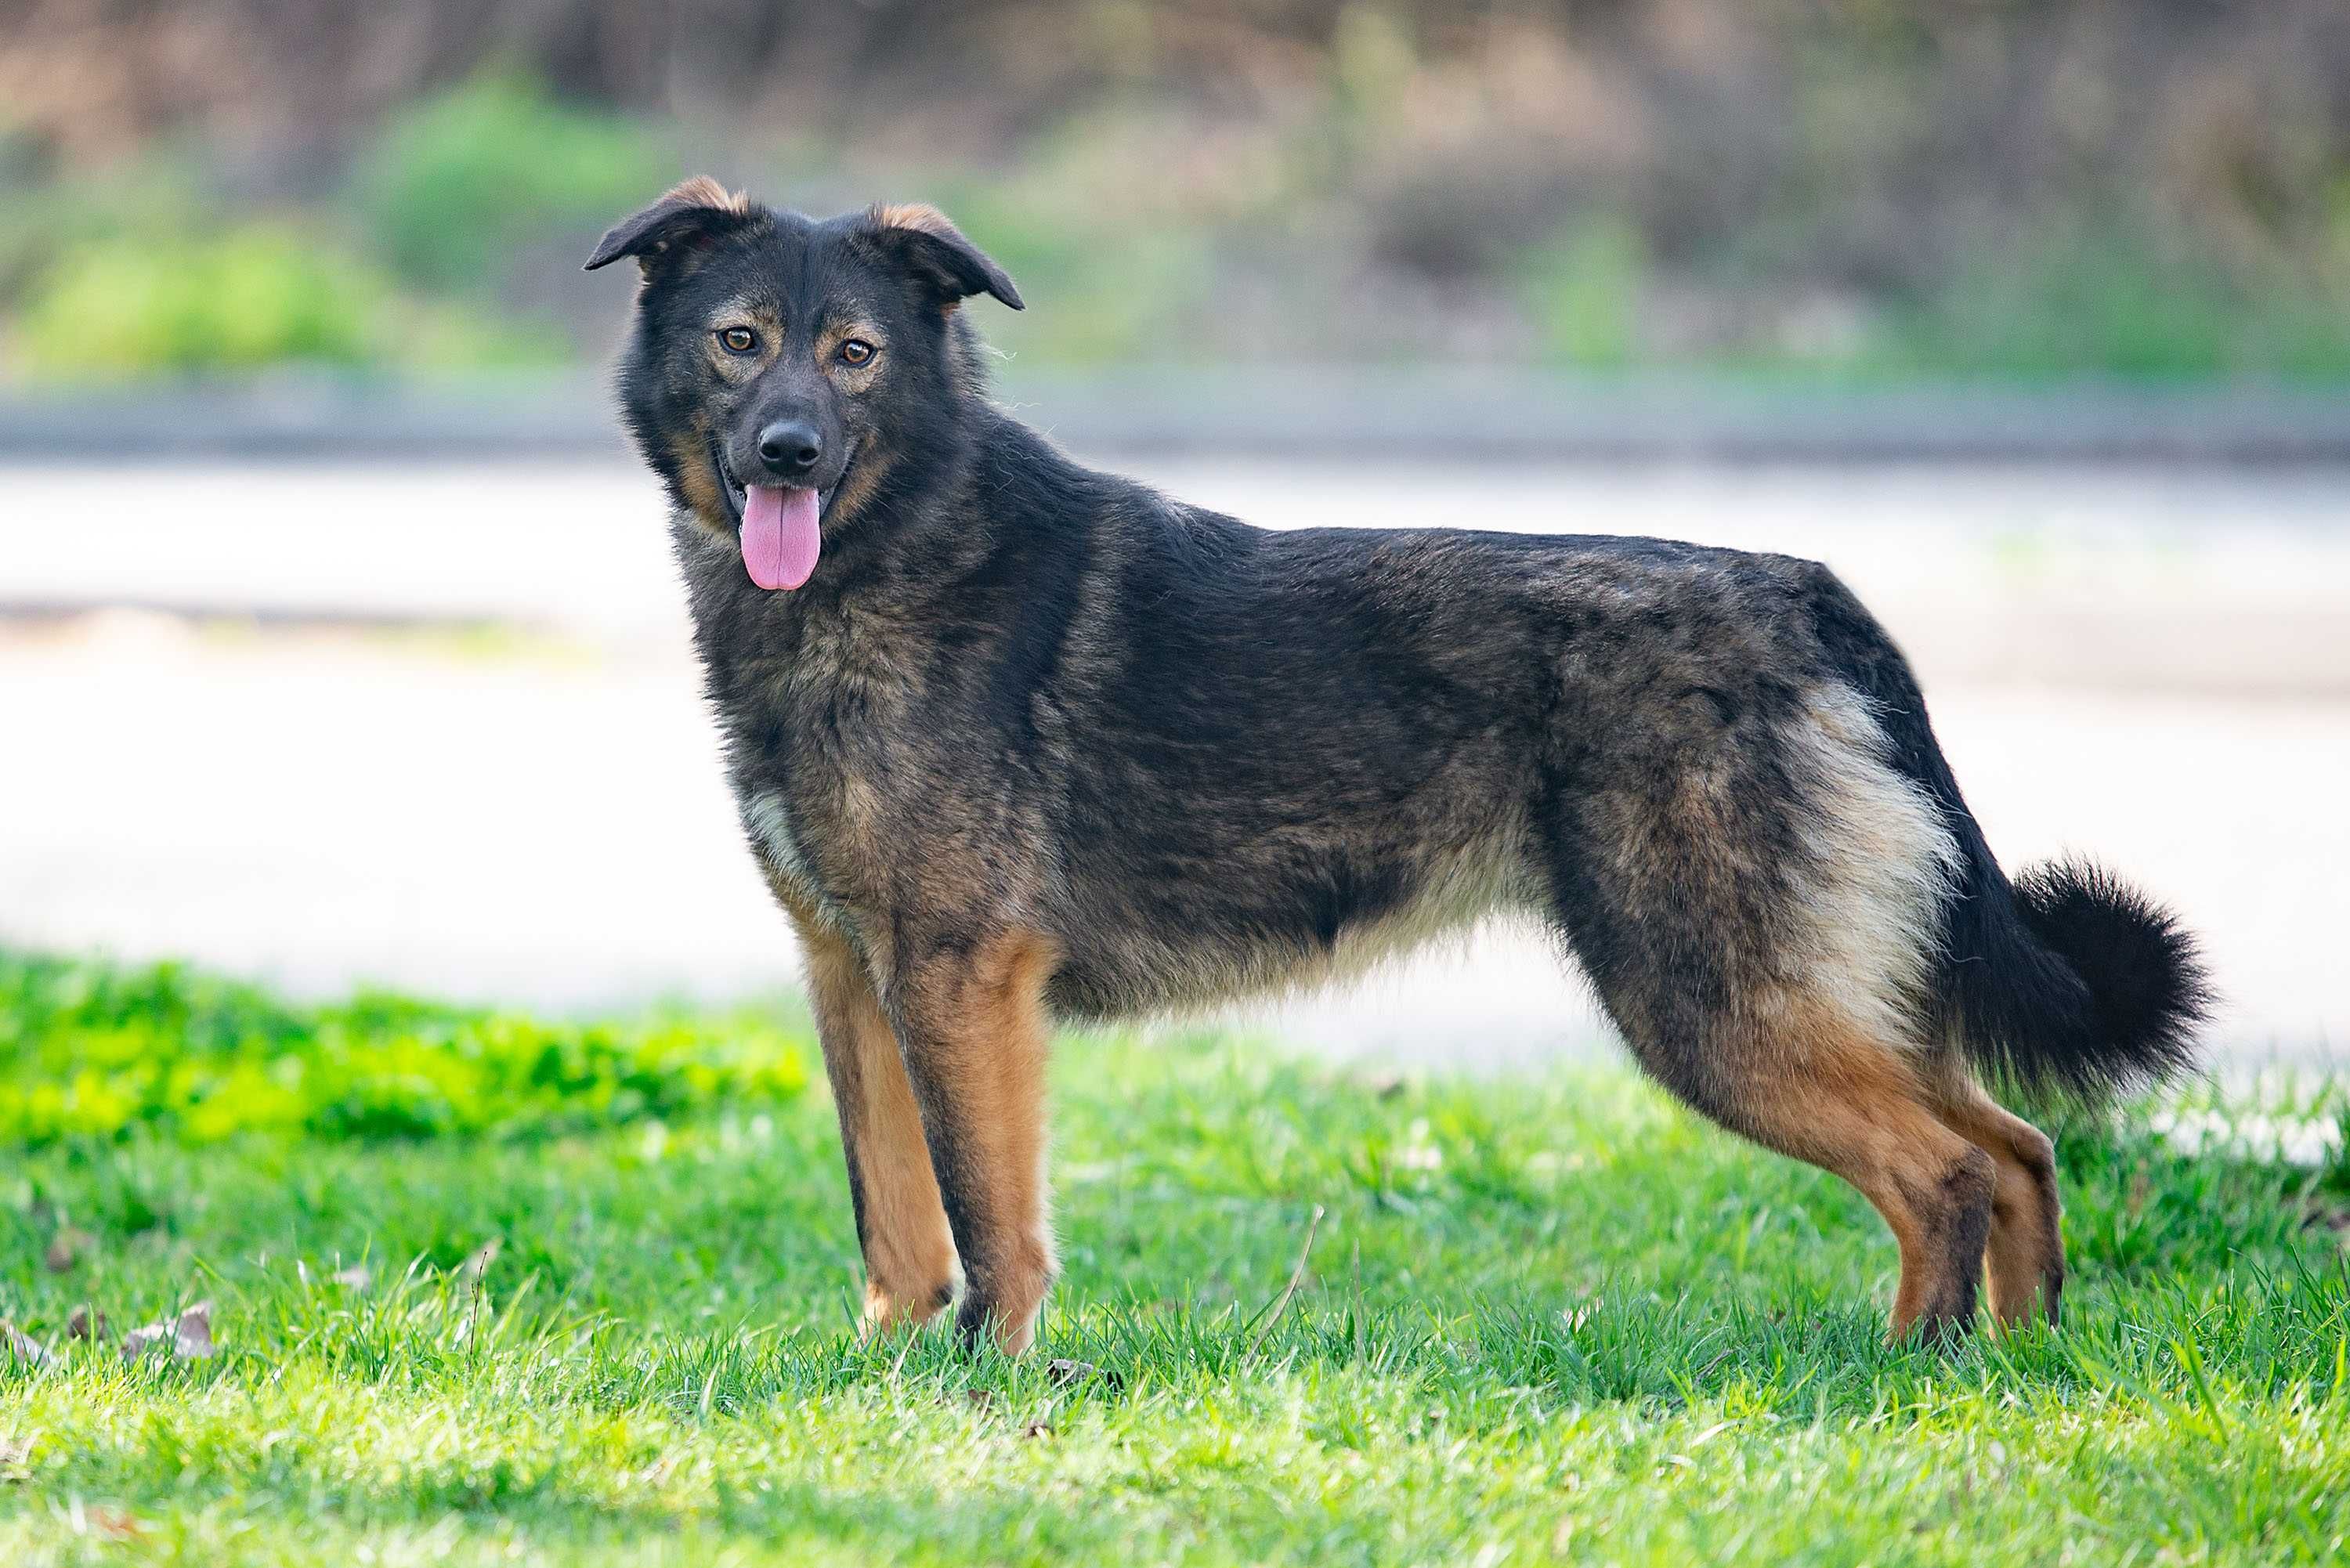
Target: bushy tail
(2065, 979)
(2069, 980)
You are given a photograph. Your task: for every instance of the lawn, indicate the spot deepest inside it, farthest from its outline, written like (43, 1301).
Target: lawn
(1540, 1319)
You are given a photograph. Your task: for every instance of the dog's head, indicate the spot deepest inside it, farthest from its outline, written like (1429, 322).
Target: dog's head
(781, 368)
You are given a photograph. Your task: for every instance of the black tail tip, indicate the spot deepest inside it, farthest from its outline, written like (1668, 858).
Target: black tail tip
(2148, 983)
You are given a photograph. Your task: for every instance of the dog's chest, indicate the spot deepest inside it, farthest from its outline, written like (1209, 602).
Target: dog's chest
(845, 757)
(810, 792)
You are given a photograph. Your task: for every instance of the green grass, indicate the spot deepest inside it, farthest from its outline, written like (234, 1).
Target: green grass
(1543, 1319)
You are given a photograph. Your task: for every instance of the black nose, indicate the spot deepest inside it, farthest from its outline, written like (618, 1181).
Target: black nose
(790, 448)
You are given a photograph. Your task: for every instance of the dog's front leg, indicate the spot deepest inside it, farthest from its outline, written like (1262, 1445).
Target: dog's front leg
(901, 1227)
(970, 1017)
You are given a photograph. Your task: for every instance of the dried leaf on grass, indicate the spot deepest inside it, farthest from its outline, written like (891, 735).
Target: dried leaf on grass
(187, 1337)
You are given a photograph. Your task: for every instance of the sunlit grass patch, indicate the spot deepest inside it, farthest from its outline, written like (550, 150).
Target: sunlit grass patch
(89, 1050)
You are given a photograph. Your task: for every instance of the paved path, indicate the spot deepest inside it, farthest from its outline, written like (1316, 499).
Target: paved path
(2151, 666)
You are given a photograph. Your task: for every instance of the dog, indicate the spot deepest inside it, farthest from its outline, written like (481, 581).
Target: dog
(1014, 742)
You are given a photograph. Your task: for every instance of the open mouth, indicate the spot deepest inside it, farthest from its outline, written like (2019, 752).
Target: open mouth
(778, 526)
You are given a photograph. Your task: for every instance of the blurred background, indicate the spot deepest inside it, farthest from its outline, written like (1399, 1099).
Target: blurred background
(336, 629)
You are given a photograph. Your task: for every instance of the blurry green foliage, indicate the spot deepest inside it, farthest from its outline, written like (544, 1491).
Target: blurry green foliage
(249, 297)
(156, 198)
(460, 181)
(244, 298)
(2111, 300)
(91, 1050)
(1582, 291)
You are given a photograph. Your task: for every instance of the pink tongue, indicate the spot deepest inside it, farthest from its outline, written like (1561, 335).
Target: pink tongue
(779, 535)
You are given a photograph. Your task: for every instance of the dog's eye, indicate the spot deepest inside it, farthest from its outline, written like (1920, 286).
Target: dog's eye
(856, 351)
(738, 340)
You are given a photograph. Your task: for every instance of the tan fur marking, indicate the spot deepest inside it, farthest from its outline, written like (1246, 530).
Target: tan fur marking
(2026, 1255)
(828, 352)
(919, 216)
(865, 476)
(977, 1043)
(1836, 1098)
(691, 451)
(909, 1255)
(702, 191)
(756, 315)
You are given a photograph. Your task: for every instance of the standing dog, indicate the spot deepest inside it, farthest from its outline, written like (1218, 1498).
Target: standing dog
(1014, 742)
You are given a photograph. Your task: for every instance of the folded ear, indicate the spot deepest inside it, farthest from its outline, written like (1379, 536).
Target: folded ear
(935, 252)
(695, 215)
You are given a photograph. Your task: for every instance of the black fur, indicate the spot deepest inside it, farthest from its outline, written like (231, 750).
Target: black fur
(2146, 985)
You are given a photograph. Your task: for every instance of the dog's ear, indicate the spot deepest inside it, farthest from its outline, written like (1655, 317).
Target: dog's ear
(691, 217)
(920, 239)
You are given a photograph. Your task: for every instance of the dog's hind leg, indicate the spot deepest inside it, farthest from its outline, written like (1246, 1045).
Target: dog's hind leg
(2027, 1234)
(970, 1013)
(901, 1225)
(1822, 1091)
(1758, 903)
(1786, 1064)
